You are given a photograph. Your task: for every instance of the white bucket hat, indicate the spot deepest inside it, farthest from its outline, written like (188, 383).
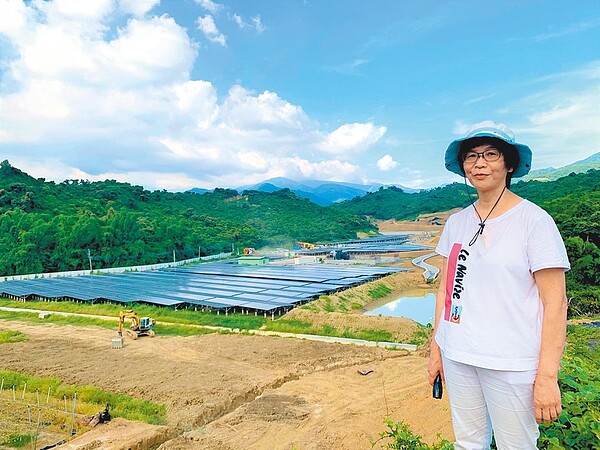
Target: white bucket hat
(490, 129)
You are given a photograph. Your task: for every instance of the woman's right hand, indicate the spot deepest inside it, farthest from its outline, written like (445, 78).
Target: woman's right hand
(435, 365)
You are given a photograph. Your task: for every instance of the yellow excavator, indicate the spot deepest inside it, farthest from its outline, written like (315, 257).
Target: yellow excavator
(139, 326)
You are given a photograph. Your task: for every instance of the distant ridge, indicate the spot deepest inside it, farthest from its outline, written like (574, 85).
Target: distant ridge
(199, 190)
(552, 174)
(321, 192)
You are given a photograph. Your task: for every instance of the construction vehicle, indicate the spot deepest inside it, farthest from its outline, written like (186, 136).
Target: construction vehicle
(139, 326)
(303, 245)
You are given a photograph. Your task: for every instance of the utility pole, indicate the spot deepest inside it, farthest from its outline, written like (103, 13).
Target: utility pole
(174, 256)
(90, 259)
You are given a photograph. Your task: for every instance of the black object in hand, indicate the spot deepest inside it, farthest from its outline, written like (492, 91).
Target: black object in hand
(438, 390)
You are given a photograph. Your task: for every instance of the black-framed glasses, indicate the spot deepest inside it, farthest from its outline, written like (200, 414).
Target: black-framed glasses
(490, 155)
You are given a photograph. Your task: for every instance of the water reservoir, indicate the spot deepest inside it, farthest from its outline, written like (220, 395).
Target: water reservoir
(419, 309)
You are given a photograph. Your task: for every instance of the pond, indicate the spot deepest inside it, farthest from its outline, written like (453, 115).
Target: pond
(419, 309)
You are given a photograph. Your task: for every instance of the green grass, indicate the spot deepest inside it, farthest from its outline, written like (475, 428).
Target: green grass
(17, 440)
(369, 335)
(328, 330)
(163, 329)
(300, 327)
(6, 337)
(289, 326)
(421, 336)
(121, 405)
(379, 290)
(162, 315)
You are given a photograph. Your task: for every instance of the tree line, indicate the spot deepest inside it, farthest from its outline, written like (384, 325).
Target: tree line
(47, 226)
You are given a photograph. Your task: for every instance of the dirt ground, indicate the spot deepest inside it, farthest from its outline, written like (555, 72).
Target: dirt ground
(227, 392)
(236, 391)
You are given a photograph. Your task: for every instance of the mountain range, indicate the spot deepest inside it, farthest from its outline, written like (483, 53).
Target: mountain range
(325, 193)
(321, 192)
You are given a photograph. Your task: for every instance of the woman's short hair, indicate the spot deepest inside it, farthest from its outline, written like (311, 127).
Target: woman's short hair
(511, 156)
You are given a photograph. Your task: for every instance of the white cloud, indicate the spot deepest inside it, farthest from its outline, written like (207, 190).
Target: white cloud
(91, 10)
(155, 50)
(255, 22)
(353, 137)
(197, 99)
(243, 109)
(13, 18)
(207, 25)
(137, 7)
(210, 6)
(258, 26)
(386, 163)
(239, 20)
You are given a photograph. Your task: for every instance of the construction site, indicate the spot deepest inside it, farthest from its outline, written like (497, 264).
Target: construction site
(222, 391)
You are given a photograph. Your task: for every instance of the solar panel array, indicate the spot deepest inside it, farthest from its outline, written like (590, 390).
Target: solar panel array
(376, 244)
(216, 286)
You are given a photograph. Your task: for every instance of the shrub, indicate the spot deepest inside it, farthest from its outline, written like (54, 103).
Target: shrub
(579, 424)
(398, 436)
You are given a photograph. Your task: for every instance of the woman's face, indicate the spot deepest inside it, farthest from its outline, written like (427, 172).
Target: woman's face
(485, 168)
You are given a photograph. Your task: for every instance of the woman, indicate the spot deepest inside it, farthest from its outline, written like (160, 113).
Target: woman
(501, 305)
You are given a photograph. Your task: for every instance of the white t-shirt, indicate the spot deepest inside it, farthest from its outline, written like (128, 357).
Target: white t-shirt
(492, 316)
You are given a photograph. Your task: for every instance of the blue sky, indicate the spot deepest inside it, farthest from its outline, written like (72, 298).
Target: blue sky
(198, 93)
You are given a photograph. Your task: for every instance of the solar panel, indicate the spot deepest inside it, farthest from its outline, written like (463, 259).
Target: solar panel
(216, 285)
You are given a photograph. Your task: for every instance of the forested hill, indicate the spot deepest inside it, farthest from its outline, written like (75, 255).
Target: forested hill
(47, 226)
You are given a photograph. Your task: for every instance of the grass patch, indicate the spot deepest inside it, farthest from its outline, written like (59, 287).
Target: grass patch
(17, 440)
(289, 326)
(163, 329)
(89, 398)
(379, 290)
(421, 335)
(310, 307)
(328, 306)
(328, 330)
(369, 335)
(301, 327)
(161, 314)
(6, 337)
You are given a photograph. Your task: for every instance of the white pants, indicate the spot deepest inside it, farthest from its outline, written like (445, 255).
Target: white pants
(486, 399)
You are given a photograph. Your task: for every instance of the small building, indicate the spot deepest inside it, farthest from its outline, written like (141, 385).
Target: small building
(253, 260)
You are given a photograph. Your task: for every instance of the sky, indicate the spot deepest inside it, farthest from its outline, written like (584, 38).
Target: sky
(176, 94)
